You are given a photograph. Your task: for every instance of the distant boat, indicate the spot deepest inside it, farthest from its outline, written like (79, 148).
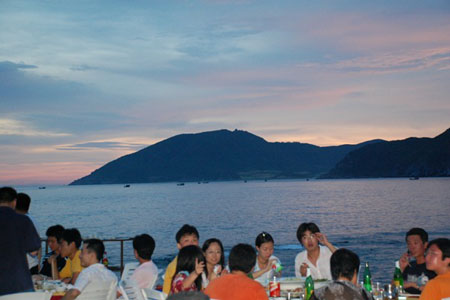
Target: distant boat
(42, 187)
(205, 182)
(180, 184)
(126, 186)
(414, 178)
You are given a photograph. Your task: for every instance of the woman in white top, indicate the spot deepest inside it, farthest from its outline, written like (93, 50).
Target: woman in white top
(215, 260)
(264, 260)
(316, 257)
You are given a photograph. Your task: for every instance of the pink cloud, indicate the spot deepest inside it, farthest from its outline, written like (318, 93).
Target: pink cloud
(44, 173)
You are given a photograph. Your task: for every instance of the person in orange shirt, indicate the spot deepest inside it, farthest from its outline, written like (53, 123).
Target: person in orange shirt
(438, 260)
(237, 285)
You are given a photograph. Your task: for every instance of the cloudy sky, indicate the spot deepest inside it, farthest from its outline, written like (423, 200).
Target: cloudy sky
(85, 82)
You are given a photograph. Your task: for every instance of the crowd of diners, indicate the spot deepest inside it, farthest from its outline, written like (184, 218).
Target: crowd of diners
(202, 272)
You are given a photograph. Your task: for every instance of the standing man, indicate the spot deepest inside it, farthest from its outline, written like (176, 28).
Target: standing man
(91, 256)
(22, 207)
(17, 237)
(438, 260)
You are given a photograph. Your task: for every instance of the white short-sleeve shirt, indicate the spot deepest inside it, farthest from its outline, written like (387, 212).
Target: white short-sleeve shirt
(146, 275)
(322, 268)
(96, 272)
(265, 277)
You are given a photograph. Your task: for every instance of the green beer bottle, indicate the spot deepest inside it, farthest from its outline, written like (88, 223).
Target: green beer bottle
(367, 278)
(398, 277)
(309, 285)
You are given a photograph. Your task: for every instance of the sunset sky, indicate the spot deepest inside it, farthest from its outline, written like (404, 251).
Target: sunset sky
(85, 82)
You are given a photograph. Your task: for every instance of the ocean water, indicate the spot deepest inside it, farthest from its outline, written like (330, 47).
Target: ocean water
(369, 216)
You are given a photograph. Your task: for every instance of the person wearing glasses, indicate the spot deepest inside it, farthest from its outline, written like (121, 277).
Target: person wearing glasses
(315, 257)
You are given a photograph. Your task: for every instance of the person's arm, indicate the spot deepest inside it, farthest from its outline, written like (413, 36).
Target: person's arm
(168, 276)
(403, 261)
(264, 270)
(199, 267)
(74, 277)
(324, 241)
(71, 294)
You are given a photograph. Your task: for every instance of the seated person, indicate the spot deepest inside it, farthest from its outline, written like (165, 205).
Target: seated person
(237, 285)
(70, 244)
(54, 235)
(316, 257)
(438, 260)
(91, 257)
(215, 260)
(187, 235)
(147, 273)
(264, 260)
(415, 273)
(344, 270)
(190, 267)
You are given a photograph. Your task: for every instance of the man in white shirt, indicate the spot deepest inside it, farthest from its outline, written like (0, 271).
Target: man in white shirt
(315, 257)
(147, 273)
(90, 257)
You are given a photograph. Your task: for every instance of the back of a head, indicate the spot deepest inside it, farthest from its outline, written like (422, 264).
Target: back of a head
(242, 258)
(186, 229)
(23, 202)
(188, 296)
(306, 227)
(344, 263)
(96, 246)
(418, 231)
(72, 235)
(144, 244)
(56, 231)
(7, 194)
(443, 244)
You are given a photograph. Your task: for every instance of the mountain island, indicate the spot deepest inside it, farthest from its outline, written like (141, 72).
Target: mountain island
(240, 155)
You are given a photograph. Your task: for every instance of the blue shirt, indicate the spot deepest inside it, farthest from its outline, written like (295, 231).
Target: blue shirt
(17, 237)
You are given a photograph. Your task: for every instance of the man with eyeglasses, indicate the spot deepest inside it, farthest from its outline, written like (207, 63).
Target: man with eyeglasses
(437, 259)
(314, 257)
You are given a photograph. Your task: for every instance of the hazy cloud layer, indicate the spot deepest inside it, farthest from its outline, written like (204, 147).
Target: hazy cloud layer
(84, 82)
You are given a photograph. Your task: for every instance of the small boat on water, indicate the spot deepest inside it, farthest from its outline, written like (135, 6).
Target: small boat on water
(414, 178)
(180, 184)
(126, 186)
(42, 187)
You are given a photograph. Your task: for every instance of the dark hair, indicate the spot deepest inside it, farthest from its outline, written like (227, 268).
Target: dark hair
(72, 235)
(96, 246)
(262, 238)
(443, 244)
(188, 296)
(144, 244)
(56, 230)
(205, 247)
(242, 258)
(23, 202)
(306, 227)
(344, 263)
(186, 261)
(186, 229)
(7, 194)
(418, 231)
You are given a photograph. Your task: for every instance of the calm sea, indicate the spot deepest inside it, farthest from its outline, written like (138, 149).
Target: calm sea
(369, 217)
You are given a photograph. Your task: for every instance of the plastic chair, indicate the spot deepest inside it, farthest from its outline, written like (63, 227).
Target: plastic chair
(128, 271)
(28, 296)
(131, 291)
(99, 290)
(154, 294)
